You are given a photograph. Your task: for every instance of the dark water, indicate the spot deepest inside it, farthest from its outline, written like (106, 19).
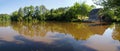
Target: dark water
(56, 36)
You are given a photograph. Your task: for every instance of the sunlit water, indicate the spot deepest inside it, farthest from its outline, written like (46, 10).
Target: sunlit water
(59, 36)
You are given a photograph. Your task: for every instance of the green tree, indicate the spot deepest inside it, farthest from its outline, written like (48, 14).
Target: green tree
(41, 13)
(43, 10)
(26, 11)
(4, 17)
(14, 16)
(110, 5)
(37, 12)
(20, 14)
(85, 9)
(73, 12)
(78, 12)
(31, 13)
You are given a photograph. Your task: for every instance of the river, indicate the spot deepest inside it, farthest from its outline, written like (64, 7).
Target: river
(59, 36)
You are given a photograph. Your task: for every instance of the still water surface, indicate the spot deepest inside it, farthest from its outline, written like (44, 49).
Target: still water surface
(57, 36)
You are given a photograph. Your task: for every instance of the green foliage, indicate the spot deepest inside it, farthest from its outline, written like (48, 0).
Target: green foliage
(78, 12)
(107, 13)
(4, 17)
(14, 16)
(113, 5)
(56, 14)
(20, 14)
(85, 9)
(41, 13)
(73, 12)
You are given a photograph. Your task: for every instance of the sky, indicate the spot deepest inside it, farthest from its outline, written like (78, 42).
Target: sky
(9, 6)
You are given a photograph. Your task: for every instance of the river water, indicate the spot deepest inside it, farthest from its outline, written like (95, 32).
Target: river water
(59, 36)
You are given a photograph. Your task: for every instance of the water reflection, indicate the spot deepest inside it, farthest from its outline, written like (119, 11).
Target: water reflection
(58, 36)
(116, 32)
(4, 24)
(80, 31)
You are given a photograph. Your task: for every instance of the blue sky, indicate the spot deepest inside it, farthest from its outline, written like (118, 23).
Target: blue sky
(8, 6)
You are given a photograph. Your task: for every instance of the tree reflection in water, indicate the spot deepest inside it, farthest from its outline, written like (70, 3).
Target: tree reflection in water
(4, 24)
(116, 32)
(80, 31)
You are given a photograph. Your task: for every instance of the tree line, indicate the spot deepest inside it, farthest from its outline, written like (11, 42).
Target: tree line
(110, 7)
(4, 17)
(77, 12)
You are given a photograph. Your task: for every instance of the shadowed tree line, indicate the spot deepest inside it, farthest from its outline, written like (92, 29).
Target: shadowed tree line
(77, 12)
(4, 17)
(111, 8)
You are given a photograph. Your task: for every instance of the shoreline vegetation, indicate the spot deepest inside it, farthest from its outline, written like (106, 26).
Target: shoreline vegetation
(79, 12)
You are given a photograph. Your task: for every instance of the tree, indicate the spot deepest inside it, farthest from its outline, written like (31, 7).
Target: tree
(73, 12)
(26, 11)
(43, 10)
(78, 11)
(85, 9)
(31, 10)
(37, 12)
(110, 5)
(4, 17)
(31, 13)
(14, 16)
(20, 14)
(41, 13)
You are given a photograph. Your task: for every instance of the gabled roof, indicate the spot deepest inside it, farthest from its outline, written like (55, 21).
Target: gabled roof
(95, 11)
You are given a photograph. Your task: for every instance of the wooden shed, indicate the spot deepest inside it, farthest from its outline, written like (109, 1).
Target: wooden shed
(95, 17)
